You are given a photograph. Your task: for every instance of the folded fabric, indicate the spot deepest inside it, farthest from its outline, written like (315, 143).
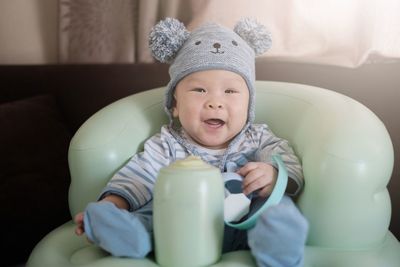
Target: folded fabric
(279, 237)
(118, 231)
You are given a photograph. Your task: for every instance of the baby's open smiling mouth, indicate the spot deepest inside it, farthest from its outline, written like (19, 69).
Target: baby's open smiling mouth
(214, 122)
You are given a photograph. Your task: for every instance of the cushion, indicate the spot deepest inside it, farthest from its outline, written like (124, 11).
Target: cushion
(34, 174)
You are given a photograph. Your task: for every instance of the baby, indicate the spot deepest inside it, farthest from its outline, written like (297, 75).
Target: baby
(210, 101)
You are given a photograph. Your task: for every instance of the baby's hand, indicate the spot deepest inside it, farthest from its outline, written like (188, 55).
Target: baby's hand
(258, 176)
(79, 229)
(78, 219)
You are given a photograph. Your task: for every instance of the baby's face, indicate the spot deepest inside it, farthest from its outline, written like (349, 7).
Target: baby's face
(212, 106)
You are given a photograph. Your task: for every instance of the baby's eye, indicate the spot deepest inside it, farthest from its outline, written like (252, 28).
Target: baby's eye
(200, 90)
(230, 91)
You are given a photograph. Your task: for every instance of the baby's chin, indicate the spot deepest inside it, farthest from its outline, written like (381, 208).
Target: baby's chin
(213, 145)
(214, 140)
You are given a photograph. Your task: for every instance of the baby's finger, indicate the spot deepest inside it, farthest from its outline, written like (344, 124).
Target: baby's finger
(255, 185)
(79, 230)
(252, 176)
(78, 219)
(247, 168)
(266, 191)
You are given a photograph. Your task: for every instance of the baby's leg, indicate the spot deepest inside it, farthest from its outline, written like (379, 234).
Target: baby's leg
(120, 232)
(279, 237)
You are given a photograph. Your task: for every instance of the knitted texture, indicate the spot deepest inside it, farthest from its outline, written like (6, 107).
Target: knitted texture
(211, 46)
(166, 38)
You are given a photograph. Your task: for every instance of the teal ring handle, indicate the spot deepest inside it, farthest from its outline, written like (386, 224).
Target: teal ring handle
(274, 198)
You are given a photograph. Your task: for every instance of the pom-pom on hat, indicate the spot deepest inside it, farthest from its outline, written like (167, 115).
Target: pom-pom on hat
(211, 46)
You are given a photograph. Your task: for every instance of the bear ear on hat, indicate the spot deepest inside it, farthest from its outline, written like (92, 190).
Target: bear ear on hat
(166, 38)
(255, 34)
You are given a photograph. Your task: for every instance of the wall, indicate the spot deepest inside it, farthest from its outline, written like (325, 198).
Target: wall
(28, 31)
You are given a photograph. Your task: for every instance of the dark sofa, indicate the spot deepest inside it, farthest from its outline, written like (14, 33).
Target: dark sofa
(41, 107)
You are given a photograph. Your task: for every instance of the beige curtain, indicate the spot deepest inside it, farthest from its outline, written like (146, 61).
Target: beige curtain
(335, 32)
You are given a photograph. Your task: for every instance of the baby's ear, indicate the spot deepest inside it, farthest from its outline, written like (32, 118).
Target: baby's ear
(166, 38)
(174, 110)
(255, 34)
(175, 113)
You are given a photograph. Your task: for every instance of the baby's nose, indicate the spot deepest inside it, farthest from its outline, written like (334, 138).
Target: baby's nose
(214, 106)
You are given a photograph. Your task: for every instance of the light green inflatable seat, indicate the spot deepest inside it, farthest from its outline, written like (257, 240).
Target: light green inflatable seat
(346, 152)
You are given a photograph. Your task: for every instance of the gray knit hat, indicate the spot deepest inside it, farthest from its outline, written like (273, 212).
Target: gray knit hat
(210, 46)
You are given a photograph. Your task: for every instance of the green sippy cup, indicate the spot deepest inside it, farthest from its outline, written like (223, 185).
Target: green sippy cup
(188, 214)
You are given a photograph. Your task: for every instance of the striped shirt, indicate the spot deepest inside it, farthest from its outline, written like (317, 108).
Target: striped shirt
(135, 181)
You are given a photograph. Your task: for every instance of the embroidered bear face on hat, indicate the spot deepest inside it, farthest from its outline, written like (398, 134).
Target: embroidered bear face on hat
(211, 46)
